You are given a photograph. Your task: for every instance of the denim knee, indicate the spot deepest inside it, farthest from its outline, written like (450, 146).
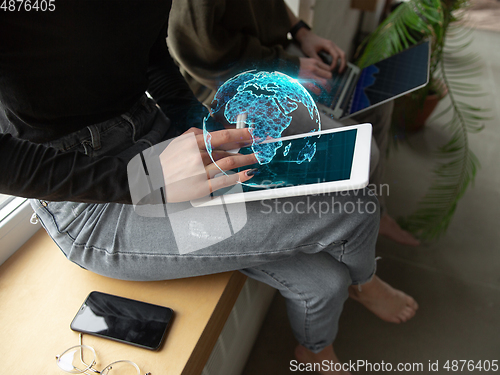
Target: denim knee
(371, 214)
(315, 287)
(333, 290)
(357, 250)
(362, 212)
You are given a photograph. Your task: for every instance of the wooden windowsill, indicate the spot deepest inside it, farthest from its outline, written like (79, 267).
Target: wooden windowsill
(41, 291)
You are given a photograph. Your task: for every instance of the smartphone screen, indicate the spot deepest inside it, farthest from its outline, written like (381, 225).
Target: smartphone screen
(122, 319)
(306, 160)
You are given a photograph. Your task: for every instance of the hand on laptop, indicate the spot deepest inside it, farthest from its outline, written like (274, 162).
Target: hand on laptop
(313, 75)
(188, 170)
(311, 44)
(314, 72)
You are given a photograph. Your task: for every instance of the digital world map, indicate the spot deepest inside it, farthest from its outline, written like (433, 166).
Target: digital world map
(265, 103)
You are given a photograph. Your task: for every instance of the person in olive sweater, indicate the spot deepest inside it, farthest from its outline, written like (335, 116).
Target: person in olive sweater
(214, 40)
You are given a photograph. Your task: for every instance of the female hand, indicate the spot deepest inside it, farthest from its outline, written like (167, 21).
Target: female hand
(189, 171)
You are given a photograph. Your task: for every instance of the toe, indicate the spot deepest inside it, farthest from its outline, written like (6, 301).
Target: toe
(415, 305)
(404, 317)
(396, 320)
(410, 301)
(411, 241)
(408, 313)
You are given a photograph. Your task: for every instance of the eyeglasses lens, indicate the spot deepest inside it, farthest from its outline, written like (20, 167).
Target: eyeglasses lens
(76, 360)
(121, 368)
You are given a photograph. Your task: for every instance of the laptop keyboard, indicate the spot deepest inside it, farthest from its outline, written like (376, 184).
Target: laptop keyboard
(347, 101)
(338, 82)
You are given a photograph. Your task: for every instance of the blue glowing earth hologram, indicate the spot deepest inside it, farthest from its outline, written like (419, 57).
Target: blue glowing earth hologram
(307, 152)
(287, 149)
(264, 102)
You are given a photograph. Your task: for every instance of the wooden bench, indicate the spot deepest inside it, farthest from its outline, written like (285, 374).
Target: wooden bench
(41, 291)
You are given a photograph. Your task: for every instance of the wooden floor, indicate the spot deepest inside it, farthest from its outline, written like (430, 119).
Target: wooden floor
(484, 15)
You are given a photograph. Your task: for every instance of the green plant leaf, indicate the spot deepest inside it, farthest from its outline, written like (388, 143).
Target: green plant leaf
(456, 164)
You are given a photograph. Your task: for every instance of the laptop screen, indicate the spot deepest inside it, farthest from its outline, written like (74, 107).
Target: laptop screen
(391, 77)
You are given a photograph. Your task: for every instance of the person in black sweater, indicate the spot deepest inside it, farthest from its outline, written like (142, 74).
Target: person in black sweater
(73, 113)
(79, 65)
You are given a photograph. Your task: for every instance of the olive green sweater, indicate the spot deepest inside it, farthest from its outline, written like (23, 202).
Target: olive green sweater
(213, 40)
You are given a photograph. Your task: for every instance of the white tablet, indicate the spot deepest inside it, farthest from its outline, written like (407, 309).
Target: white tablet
(304, 164)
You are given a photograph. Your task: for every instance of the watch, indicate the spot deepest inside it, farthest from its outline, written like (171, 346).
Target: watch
(299, 25)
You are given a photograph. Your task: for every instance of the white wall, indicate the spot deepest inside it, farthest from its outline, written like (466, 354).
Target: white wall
(293, 5)
(335, 20)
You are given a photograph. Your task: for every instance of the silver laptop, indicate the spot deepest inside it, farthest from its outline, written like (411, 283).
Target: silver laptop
(355, 90)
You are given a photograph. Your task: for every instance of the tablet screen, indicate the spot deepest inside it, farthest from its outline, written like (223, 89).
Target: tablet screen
(307, 160)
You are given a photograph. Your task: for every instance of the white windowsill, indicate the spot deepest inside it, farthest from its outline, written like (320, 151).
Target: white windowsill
(15, 226)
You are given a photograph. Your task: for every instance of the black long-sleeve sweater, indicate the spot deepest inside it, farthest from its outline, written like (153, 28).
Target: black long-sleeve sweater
(62, 70)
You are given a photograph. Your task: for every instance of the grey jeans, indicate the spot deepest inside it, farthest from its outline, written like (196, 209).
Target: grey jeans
(310, 255)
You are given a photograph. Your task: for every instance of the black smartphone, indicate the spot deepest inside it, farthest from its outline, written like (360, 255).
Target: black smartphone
(121, 319)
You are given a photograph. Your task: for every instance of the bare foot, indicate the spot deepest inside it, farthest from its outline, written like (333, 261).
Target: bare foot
(391, 229)
(325, 360)
(383, 300)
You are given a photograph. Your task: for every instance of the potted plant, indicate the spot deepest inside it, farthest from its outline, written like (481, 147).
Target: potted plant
(437, 20)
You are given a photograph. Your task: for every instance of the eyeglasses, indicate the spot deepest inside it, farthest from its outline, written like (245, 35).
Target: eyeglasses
(72, 361)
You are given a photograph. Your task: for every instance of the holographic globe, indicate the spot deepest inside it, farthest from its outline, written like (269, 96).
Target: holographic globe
(267, 103)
